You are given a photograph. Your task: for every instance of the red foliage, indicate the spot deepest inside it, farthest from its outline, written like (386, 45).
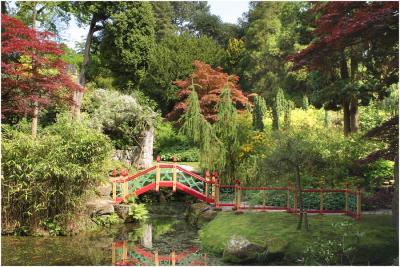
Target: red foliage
(31, 68)
(342, 24)
(212, 82)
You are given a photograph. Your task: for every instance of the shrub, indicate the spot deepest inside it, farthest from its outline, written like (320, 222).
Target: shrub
(47, 176)
(138, 212)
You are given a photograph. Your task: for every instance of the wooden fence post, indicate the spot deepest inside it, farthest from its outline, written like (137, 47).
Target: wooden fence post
(173, 258)
(295, 200)
(174, 175)
(288, 197)
(264, 198)
(217, 188)
(156, 260)
(358, 214)
(158, 173)
(321, 199)
(346, 199)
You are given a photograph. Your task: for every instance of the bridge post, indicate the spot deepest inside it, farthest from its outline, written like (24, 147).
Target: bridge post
(174, 175)
(213, 186)
(112, 253)
(158, 173)
(124, 251)
(114, 186)
(217, 194)
(207, 175)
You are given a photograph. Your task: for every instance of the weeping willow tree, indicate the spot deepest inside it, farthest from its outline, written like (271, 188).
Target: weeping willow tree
(259, 110)
(227, 128)
(218, 143)
(201, 132)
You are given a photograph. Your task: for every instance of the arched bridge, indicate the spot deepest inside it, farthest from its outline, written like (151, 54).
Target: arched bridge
(208, 189)
(164, 175)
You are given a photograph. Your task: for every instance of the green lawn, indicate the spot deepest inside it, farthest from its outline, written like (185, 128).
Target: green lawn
(278, 231)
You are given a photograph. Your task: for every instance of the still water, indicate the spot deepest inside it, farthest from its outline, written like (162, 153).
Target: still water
(165, 239)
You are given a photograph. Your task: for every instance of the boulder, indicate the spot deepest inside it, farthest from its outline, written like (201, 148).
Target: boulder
(200, 213)
(239, 249)
(104, 190)
(100, 206)
(122, 211)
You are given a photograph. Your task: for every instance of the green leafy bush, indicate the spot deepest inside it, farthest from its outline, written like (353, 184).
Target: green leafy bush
(47, 176)
(182, 153)
(169, 143)
(138, 212)
(338, 250)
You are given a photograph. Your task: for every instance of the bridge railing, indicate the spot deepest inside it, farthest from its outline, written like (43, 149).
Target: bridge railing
(315, 200)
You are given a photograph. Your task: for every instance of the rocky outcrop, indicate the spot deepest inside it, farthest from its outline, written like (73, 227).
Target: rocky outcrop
(100, 206)
(104, 190)
(239, 249)
(199, 214)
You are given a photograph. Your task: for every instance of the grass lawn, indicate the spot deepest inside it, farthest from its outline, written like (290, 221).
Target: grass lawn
(278, 231)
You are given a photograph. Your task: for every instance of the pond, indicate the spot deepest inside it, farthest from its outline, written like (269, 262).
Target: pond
(165, 239)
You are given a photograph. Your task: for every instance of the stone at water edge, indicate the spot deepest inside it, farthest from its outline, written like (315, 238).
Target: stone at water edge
(122, 210)
(239, 249)
(100, 206)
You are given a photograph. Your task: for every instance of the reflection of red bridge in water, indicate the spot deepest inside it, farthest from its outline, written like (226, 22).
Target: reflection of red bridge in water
(122, 256)
(209, 189)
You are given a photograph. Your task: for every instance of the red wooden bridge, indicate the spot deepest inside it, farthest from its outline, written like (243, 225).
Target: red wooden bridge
(209, 189)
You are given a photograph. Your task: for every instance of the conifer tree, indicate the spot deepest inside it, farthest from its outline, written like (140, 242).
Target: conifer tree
(258, 113)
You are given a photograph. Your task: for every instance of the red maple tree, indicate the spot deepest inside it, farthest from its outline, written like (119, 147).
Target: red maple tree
(209, 84)
(33, 74)
(343, 24)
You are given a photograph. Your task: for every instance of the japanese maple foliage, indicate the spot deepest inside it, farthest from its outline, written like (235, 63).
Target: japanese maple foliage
(209, 84)
(32, 71)
(342, 24)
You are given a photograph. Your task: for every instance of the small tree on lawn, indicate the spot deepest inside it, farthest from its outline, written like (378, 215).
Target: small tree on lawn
(294, 154)
(33, 74)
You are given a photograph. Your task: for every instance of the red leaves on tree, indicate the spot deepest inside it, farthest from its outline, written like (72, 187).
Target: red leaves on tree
(32, 71)
(342, 24)
(209, 84)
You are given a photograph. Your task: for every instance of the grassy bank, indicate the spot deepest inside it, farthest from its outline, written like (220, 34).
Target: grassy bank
(278, 232)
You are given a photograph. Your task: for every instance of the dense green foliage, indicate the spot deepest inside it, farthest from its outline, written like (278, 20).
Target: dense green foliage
(47, 177)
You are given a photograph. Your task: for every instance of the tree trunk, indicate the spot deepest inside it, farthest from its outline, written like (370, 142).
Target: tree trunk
(395, 201)
(82, 79)
(4, 8)
(354, 116)
(346, 118)
(300, 197)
